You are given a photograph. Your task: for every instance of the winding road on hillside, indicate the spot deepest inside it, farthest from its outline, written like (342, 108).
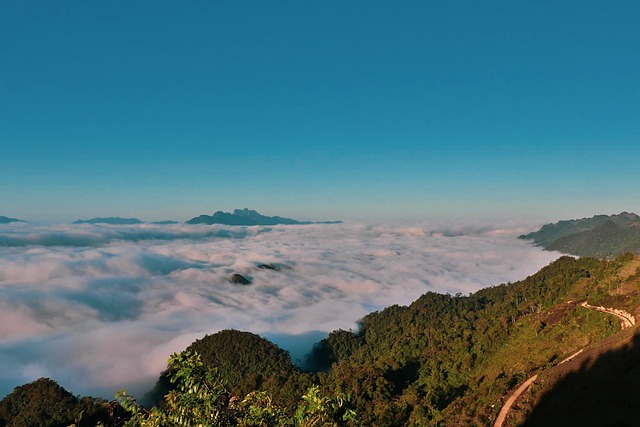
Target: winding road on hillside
(510, 401)
(627, 321)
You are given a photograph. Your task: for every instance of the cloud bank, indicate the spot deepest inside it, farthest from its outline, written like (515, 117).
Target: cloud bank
(99, 308)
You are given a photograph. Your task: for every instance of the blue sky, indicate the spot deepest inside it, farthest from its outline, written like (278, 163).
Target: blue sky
(319, 110)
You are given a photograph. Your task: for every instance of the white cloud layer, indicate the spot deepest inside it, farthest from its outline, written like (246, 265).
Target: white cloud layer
(99, 308)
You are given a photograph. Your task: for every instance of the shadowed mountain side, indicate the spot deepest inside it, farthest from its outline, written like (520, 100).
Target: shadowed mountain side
(608, 239)
(599, 236)
(550, 232)
(598, 388)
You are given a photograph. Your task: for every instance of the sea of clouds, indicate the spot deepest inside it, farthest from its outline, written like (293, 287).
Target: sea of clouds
(99, 308)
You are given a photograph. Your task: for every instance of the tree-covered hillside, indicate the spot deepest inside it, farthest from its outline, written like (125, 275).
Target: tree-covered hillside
(43, 403)
(249, 362)
(450, 359)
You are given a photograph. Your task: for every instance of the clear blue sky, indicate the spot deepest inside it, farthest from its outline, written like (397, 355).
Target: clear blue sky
(319, 109)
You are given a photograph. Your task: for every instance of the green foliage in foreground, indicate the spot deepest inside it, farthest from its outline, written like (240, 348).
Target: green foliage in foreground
(249, 363)
(201, 399)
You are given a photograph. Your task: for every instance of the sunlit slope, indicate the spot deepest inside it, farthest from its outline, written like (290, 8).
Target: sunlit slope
(453, 359)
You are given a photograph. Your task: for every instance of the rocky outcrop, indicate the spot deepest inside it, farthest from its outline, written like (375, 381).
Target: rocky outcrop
(239, 279)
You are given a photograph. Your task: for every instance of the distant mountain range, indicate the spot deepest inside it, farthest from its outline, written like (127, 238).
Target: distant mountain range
(238, 217)
(249, 217)
(120, 221)
(7, 220)
(600, 236)
(111, 220)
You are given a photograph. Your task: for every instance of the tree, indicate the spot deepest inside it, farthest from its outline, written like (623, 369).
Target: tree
(201, 399)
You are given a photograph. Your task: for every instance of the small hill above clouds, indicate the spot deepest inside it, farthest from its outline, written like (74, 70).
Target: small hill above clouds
(44, 403)
(247, 362)
(600, 235)
(110, 220)
(7, 220)
(248, 217)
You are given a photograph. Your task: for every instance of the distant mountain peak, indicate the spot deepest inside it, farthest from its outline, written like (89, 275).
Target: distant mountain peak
(246, 212)
(628, 216)
(248, 217)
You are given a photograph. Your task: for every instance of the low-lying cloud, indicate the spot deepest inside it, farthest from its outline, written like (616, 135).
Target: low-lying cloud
(99, 308)
(95, 235)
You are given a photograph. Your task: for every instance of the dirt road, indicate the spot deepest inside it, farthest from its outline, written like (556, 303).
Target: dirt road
(502, 416)
(627, 319)
(507, 405)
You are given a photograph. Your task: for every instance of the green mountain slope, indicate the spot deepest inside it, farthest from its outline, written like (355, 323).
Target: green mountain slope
(550, 232)
(43, 403)
(249, 362)
(450, 360)
(607, 239)
(599, 236)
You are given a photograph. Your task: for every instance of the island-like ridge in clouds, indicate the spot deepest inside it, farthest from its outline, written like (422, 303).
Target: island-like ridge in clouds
(111, 220)
(7, 220)
(249, 217)
(121, 221)
(239, 217)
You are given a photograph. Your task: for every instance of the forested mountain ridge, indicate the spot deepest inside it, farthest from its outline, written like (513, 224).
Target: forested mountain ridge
(451, 359)
(442, 360)
(43, 403)
(598, 236)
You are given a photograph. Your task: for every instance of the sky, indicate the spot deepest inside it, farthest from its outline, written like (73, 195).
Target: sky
(355, 110)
